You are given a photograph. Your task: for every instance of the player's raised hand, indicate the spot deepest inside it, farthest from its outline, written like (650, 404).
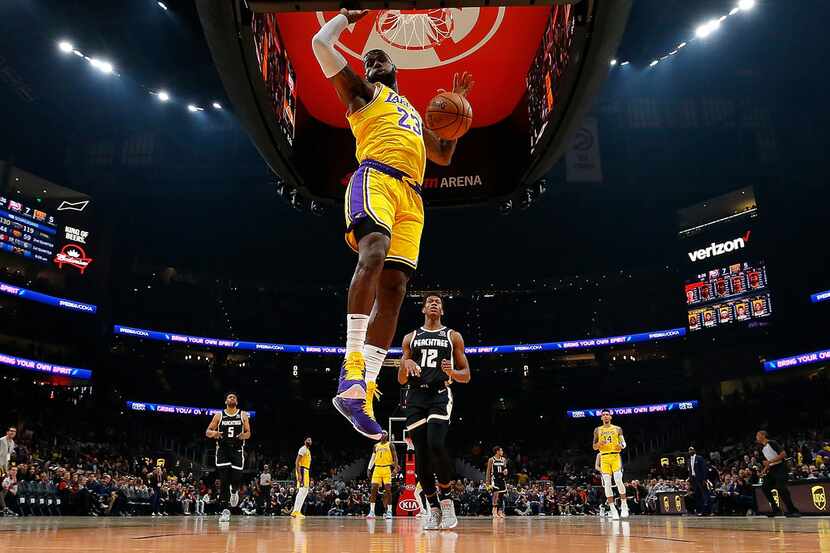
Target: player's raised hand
(461, 84)
(412, 368)
(354, 15)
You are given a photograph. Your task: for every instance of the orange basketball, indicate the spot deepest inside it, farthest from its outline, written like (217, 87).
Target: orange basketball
(449, 115)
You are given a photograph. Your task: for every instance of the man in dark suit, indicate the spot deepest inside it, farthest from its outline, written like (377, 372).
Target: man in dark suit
(698, 478)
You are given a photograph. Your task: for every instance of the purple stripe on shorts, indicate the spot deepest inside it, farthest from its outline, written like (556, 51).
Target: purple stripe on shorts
(357, 208)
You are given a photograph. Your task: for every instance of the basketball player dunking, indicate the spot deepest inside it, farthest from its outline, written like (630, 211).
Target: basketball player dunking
(433, 358)
(609, 442)
(383, 208)
(496, 479)
(230, 429)
(382, 467)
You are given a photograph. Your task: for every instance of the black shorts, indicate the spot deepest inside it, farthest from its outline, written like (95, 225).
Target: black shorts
(233, 457)
(499, 485)
(423, 405)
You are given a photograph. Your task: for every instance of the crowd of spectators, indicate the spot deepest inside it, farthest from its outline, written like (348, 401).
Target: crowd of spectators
(733, 471)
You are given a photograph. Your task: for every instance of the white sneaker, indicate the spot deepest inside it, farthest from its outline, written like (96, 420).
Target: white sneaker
(624, 511)
(614, 514)
(225, 516)
(370, 515)
(434, 520)
(387, 514)
(234, 497)
(448, 518)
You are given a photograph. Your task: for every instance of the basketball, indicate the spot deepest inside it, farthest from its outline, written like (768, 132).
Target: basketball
(449, 115)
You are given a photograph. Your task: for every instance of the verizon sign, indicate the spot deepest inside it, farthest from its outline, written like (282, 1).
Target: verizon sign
(719, 248)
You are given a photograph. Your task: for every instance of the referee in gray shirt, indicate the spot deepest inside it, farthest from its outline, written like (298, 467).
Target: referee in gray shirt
(775, 474)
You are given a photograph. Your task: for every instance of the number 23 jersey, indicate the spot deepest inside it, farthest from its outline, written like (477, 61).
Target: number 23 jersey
(388, 129)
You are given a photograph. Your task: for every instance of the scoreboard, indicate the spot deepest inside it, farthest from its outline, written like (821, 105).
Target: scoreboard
(45, 224)
(736, 293)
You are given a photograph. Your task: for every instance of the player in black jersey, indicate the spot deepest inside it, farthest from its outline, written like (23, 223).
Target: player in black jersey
(230, 429)
(433, 358)
(496, 479)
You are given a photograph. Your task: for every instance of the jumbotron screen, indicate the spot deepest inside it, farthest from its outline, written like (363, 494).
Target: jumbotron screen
(734, 294)
(544, 79)
(277, 72)
(46, 224)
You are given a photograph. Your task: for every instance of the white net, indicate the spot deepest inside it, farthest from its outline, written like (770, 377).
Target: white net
(415, 29)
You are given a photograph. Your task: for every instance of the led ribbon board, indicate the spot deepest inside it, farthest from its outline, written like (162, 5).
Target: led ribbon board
(44, 367)
(46, 299)
(797, 360)
(635, 410)
(654, 335)
(157, 408)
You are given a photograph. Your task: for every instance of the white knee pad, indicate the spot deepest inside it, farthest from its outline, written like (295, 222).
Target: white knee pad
(606, 483)
(619, 480)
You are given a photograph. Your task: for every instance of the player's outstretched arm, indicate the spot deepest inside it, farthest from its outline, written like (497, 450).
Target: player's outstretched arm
(408, 366)
(462, 372)
(354, 91)
(213, 428)
(440, 151)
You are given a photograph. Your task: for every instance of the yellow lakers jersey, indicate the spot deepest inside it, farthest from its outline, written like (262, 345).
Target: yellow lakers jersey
(389, 130)
(609, 439)
(305, 457)
(383, 455)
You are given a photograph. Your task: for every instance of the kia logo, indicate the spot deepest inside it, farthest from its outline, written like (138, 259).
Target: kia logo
(408, 504)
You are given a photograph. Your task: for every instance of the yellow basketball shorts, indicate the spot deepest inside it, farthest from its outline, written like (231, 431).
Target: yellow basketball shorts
(382, 476)
(303, 478)
(609, 463)
(392, 202)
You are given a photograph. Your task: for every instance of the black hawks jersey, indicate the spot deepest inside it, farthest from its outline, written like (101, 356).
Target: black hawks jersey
(231, 426)
(429, 348)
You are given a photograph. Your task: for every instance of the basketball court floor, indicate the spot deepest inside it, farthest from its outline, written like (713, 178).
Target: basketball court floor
(473, 535)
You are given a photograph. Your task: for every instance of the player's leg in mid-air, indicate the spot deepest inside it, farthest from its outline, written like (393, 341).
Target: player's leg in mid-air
(386, 259)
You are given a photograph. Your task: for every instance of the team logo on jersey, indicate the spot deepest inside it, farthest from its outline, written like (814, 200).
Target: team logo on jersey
(421, 39)
(819, 497)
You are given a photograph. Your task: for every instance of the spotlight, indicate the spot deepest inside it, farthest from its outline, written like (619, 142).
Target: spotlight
(746, 4)
(653, 63)
(613, 62)
(162, 5)
(65, 47)
(707, 28)
(681, 45)
(625, 63)
(163, 96)
(193, 109)
(102, 66)
(217, 105)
